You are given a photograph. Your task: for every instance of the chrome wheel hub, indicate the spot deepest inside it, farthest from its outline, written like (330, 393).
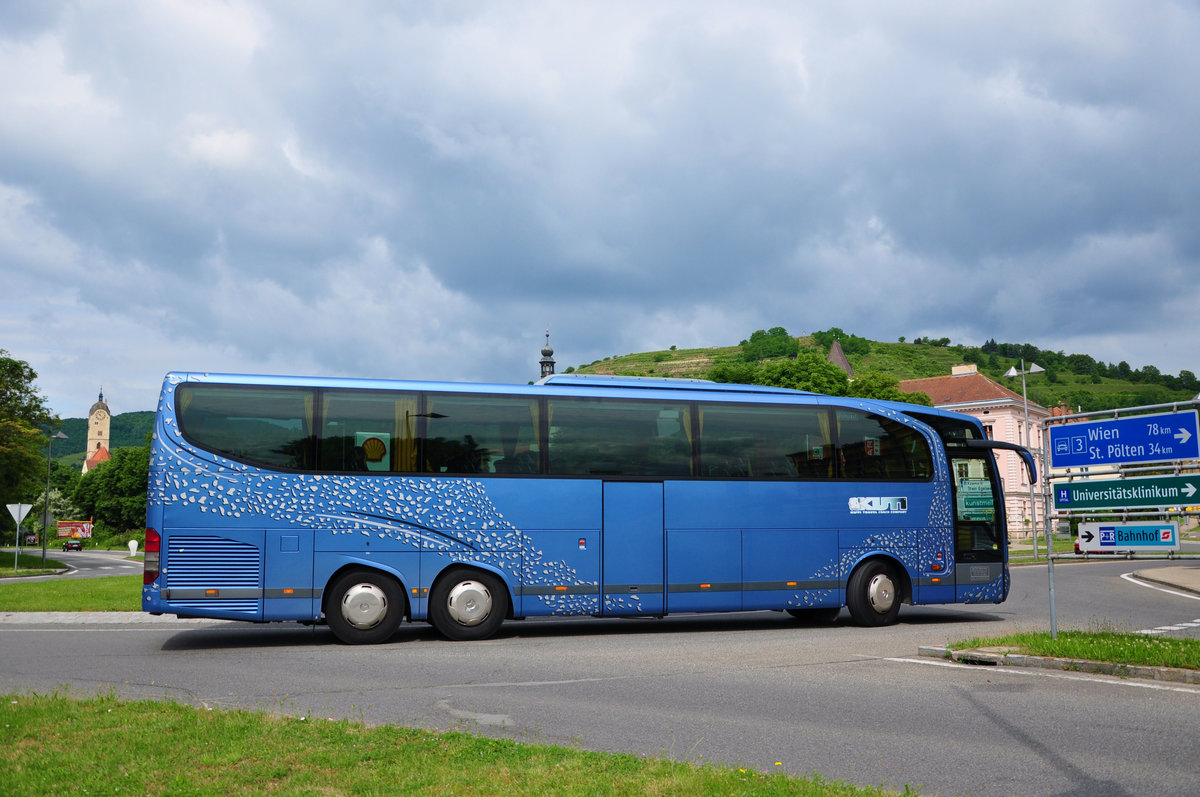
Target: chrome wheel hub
(881, 592)
(364, 606)
(470, 603)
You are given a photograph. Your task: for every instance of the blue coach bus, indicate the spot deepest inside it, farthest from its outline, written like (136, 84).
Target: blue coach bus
(362, 503)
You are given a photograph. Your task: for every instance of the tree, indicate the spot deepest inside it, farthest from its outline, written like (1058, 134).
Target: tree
(874, 385)
(851, 344)
(21, 462)
(19, 398)
(114, 494)
(773, 342)
(807, 371)
(733, 373)
(22, 443)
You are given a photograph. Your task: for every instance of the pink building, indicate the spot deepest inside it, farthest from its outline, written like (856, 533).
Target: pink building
(1002, 413)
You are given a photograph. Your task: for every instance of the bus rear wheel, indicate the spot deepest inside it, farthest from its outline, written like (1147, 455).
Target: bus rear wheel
(468, 605)
(365, 607)
(873, 595)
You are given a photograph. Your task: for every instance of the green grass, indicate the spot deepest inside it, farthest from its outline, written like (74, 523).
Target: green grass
(1114, 647)
(1022, 552)
(28, 564)
(106, 594)
(55, 744)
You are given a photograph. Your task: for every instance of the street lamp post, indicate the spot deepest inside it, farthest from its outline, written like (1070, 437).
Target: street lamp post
(1034, 368)
(46, 517)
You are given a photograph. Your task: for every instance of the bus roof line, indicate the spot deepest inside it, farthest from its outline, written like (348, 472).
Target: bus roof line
(662, 383)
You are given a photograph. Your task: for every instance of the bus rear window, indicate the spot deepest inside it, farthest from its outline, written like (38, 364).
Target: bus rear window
(258, 425)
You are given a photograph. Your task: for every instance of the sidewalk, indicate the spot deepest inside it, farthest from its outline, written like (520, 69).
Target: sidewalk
(1186, 579)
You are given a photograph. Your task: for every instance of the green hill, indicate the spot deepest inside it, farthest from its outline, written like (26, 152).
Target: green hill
(128, 429)
(1076, 380)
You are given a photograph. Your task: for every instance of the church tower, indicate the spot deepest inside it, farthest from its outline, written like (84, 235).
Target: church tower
(547, 360)
(99, 420)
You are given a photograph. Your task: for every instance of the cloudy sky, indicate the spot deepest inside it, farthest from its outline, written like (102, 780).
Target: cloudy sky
(417, 190)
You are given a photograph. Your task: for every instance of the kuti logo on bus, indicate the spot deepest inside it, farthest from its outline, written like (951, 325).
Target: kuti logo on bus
(862, 505)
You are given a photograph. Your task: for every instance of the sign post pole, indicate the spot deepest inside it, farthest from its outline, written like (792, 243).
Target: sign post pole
(1161, 436)
(46, 518)
(18, 511)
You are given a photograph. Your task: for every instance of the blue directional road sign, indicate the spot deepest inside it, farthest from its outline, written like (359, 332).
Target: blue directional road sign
(1113, 537)
(1156, 491)
(1139, 438)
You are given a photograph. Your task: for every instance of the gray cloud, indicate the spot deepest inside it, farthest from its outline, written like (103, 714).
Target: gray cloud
(417, 190)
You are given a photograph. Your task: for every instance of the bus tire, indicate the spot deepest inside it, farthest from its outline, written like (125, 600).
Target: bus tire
(824, 615)
(364, 607)
(873, 594)
(468, 604)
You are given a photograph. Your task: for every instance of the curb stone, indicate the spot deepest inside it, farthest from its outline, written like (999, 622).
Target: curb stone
(1003, 658)
(99, 618)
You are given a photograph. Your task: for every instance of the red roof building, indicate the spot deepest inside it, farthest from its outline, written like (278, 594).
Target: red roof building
(99, 455)
(1002, 412)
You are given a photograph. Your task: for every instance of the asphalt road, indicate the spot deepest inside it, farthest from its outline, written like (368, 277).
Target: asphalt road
(81, 564)
(752, 689)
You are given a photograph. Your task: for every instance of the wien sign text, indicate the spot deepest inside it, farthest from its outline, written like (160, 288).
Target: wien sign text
(1140, 438)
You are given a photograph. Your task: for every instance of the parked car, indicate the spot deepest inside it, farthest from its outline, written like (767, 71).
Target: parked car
(73, 545)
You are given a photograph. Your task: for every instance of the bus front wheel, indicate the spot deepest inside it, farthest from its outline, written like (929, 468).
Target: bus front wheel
(468, 605)
(365, 607)
(873, 594)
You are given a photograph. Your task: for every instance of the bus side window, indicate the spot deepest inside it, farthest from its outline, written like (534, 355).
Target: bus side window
(618, 438)
(765, 442)
(364, 430)
(471, 434)
(265, 426)
(878, 448)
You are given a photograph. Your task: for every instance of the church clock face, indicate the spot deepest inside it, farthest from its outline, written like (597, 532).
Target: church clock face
(101, 415)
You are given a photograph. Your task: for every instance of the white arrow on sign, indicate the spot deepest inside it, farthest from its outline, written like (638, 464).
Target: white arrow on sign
(1188, 489)
(1183, 436)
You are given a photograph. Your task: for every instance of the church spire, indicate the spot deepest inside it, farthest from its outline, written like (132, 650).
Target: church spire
(547, 361)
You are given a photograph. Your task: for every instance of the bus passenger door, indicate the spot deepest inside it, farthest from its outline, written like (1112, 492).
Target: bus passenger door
(980, 541)
(633, 540)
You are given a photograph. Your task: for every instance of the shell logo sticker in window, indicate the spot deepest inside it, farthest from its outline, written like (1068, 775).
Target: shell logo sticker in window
(376, 449)
(864, 505)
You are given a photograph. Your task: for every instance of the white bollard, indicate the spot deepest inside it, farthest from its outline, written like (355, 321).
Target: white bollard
(132, 547)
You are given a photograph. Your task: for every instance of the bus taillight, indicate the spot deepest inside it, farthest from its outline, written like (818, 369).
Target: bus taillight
(153, 545)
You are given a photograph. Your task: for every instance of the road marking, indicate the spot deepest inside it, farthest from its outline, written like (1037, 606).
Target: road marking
(1065, 676)
(1162, 629)
(1129, 577)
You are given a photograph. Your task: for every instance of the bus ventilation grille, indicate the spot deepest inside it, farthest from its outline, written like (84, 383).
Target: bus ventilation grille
(212, 563)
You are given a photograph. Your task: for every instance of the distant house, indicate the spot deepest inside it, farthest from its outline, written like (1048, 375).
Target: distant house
(1002, 413)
